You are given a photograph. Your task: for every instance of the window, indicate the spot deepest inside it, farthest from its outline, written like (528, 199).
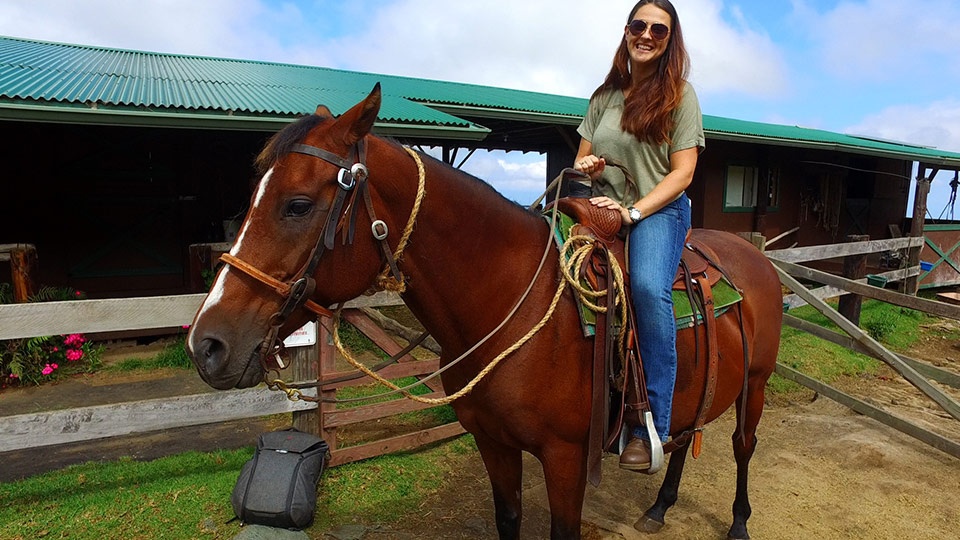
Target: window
(742, 186)
(740, 189)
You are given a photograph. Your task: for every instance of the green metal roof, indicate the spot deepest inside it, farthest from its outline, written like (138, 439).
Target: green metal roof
(47, 81)
(741, 130)
(119, 81)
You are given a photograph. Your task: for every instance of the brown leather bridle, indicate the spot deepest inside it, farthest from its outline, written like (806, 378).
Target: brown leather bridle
(296, 292)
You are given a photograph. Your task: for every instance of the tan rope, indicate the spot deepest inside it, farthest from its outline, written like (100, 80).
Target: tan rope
(570, 277)
(384, 280)
(476, 380)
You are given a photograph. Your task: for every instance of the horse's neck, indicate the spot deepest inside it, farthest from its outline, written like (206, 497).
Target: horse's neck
(471, 256)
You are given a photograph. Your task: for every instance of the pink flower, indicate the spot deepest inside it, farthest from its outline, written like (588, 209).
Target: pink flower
(74, 354)
(49, 368)
(14, 376)
(75, 340)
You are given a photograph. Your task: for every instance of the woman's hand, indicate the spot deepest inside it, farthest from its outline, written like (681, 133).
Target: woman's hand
(607, 202)
(590, 165)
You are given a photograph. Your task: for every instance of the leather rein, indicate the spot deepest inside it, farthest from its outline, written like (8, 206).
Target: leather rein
(352, 183)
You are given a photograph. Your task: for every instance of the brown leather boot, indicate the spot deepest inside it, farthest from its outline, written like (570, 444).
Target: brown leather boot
(636, 455)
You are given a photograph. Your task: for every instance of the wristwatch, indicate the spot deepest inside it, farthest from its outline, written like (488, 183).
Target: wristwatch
(635, 215)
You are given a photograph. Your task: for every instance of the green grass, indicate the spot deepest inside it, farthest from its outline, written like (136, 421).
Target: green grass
(182, 496)
(386, 488)
(172, 356)
(188, 495)
(895, 327)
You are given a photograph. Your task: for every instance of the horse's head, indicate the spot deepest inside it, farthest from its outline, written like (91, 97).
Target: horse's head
(312, 215)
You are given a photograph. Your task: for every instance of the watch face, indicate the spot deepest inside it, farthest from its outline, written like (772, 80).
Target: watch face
(634, 214)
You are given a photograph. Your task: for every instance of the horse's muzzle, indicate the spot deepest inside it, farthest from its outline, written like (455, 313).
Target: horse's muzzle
(218, 368)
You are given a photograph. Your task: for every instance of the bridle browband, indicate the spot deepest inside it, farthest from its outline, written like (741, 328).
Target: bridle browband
(296, 292)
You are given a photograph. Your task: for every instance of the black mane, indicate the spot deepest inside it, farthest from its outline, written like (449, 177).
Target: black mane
(283, 140)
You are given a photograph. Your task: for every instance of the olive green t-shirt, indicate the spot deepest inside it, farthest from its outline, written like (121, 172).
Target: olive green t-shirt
(648, 163)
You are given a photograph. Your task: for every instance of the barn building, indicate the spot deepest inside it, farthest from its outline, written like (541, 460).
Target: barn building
(118, 161)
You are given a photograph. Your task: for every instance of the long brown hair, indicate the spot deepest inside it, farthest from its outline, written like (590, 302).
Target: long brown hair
(648, 110)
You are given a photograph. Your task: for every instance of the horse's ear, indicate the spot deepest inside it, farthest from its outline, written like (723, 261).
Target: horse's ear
(323, 111)
(361, 117)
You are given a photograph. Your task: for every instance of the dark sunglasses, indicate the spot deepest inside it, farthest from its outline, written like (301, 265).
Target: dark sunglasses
(658, 31)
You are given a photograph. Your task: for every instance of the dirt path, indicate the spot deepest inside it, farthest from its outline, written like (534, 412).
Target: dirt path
(820, 471)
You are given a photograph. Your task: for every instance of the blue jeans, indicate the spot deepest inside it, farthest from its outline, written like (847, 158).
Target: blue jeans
(654, 252)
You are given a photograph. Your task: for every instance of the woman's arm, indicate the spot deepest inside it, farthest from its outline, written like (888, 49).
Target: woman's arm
(682, 165)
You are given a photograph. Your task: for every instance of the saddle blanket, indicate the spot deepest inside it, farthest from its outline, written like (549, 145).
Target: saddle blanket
(724, 295)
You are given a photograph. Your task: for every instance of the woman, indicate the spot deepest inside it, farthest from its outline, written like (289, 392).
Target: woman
(646, 118)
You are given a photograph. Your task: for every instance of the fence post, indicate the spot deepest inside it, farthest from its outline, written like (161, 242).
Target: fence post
(304, 367)
(912, 284)
(854, 267)
(327, 364)
(23, 266)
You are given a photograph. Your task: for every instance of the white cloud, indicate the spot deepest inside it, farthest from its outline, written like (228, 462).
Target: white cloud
(210, 27)
(936, 124)
(885, 40)
(517, 176)
(561, 46)
(730, 59)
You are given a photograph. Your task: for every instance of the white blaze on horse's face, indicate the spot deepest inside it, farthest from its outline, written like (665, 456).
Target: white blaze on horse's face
(217, 291)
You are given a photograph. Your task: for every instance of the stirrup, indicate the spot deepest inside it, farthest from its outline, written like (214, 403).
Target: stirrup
(656, 446)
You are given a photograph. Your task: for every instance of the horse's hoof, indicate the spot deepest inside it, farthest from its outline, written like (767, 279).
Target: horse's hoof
(648, 525)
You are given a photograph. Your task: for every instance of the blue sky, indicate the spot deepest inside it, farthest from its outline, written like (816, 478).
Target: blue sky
(884, 68)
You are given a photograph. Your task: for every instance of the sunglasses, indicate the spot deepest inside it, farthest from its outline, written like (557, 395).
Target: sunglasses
(658, 31)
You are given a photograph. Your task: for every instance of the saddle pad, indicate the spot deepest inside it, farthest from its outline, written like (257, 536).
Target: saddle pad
(724, 295)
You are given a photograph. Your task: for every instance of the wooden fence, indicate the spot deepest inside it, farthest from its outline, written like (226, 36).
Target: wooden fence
(917, 373)
(110, 315)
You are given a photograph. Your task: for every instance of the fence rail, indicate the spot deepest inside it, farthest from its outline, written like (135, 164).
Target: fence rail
(146, 313)
(131, 314)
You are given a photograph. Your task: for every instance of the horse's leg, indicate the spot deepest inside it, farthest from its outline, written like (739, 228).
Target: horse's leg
(653, 519)
(565, 475)
(742, 451)
(505, 469)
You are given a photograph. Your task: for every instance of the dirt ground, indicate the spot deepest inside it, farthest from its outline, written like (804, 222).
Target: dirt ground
(820, 471)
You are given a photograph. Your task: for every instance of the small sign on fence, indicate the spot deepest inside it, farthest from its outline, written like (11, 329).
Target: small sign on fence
(303, 336)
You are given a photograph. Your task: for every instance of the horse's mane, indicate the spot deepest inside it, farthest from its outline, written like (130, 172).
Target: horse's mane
(281, 143)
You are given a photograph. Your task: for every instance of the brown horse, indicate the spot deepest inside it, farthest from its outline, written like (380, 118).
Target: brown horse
(471, 255)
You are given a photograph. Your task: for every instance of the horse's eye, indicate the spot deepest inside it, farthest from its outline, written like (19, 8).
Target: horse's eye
(299, 207)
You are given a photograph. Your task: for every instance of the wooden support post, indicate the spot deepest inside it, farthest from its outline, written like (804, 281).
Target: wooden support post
(912, 284)
(854, 267)
(327, 364)
(23, 268)
(305, 367)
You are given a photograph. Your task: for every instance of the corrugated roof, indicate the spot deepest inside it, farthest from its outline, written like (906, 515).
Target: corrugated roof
(740, 130)
(40, 78)
(43, 72)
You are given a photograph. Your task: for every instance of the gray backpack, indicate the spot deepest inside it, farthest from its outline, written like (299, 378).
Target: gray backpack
(277, 487)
